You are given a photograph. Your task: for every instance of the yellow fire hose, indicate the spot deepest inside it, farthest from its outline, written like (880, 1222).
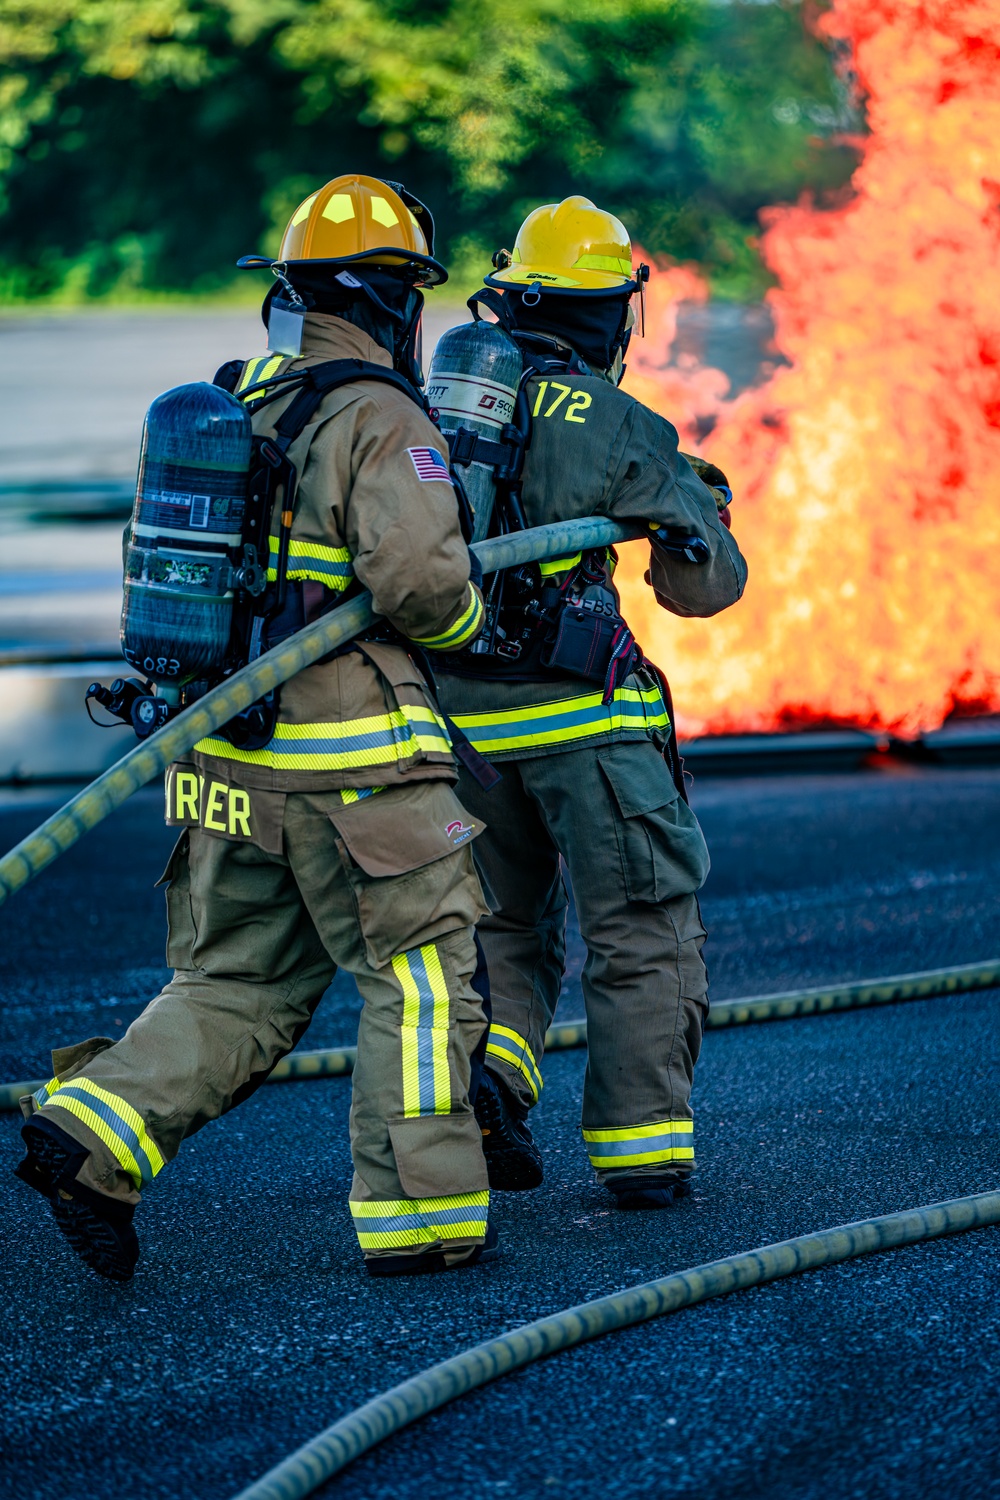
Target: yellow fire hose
(354, 1434)
(318, 1460)
(90, 806)
(338, 1062)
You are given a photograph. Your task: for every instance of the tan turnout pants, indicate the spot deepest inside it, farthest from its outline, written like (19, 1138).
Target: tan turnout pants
(254, 939)
(635, 856)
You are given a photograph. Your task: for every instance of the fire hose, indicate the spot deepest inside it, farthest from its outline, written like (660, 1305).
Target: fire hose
(148, 759)
(358, 1431)
(340, 1444)
(338, 1062)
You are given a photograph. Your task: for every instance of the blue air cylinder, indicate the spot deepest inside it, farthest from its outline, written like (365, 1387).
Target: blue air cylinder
(185, 536)
(472, 382)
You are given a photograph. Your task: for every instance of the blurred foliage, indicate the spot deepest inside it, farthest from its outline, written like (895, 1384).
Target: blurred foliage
(145, 144)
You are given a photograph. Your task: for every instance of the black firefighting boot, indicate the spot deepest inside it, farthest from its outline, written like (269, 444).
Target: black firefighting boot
(652, 1191)
(439, 1260)
(513, 1161)
(98, 1228)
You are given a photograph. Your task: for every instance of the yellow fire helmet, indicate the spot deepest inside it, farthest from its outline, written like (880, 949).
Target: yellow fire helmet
(570, 246)
(356, 218)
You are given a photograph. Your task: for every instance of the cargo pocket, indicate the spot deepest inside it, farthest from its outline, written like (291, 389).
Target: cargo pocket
(400, 912)
(181, 930)
(438, 1156)
(661, 846)
(409, 862)
(691, 934)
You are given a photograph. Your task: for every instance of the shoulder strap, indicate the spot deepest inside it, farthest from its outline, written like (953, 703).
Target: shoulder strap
(319, 380)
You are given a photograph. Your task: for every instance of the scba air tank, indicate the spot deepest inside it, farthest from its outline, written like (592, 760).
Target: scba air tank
(472, 382)
(185, 536)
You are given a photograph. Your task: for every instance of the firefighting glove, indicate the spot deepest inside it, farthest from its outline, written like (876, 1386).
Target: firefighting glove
(712, 476)
(475, 571)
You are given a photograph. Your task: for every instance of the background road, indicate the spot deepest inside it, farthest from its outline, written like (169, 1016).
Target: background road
(250, 1323)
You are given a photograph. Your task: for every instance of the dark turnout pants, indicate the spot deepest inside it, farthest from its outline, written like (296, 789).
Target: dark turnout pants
(635, 856)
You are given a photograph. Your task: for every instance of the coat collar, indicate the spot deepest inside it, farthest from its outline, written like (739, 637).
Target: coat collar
(327, 337)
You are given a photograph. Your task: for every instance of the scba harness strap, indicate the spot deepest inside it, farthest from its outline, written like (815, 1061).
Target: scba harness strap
(254, 727)
(263, 619)
(312, 385)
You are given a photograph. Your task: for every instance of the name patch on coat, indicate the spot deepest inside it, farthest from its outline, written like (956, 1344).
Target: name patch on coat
(429, 465)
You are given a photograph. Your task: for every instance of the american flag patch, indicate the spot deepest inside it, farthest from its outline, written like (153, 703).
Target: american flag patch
(429, 464)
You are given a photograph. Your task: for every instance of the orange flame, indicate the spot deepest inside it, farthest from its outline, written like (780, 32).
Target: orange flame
(866, 473)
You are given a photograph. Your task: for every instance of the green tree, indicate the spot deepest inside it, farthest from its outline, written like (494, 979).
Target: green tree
(145, 144)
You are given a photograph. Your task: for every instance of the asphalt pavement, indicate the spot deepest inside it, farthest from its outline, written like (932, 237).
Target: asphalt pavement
(250, 1323)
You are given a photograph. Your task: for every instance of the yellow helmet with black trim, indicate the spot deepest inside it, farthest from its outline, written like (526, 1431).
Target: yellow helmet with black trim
(355, 218)
(571, 246)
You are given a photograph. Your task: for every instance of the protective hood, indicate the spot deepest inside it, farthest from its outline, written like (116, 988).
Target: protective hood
(597, 328)
(383, 305)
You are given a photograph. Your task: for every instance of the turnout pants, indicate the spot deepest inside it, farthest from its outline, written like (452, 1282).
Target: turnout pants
(635, 856)
(255, 938)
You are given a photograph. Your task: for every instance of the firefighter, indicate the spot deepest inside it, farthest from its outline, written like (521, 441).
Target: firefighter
(338, 843)
(590, 772)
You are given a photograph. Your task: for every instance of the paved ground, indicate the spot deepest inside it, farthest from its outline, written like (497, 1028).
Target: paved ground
(250, 1323)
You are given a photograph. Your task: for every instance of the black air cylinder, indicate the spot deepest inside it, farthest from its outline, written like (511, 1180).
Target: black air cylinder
(185, 535)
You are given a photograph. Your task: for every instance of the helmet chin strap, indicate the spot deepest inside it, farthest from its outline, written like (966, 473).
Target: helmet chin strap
(280, 273)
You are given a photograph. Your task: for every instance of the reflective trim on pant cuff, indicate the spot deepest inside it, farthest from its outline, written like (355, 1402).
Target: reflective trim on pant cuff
(113, 1121)
(399, 1224)
(641, 1145)
(46, 1091)
(509, 1047)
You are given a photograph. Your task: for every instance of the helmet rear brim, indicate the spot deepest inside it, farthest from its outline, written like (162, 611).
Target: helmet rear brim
(432, 272)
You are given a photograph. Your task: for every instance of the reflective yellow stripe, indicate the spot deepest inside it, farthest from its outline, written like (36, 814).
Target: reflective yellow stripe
(358, 794)
(603, 263)
(639, 710)
(510, 1047)
(641, 1145)
(329, 565)
(426, 1079)
(410, 1035)
(115, 1122)
(468, 625)
(257, 370)
(382, 739)
(559, 564)
(397, 1223)
(439, 989)
(46, 1091)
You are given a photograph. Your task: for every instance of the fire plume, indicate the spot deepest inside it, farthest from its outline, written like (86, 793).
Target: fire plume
(867, 470)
